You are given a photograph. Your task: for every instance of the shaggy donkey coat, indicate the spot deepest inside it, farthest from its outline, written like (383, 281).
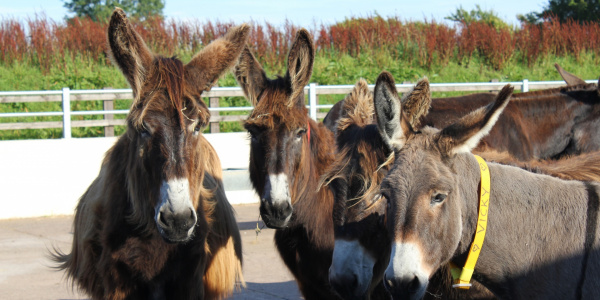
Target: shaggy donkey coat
(155, 223)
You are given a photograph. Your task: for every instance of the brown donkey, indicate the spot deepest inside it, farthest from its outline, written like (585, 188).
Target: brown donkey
(541, 124)
(288, 154)
(155, 224)
(542, 236)
(361, 244)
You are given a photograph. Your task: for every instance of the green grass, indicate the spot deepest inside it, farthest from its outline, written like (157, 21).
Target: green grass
(329, 69)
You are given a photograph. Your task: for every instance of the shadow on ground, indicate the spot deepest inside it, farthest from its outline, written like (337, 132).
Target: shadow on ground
(269, 291)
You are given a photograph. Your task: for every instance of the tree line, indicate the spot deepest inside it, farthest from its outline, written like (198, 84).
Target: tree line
(563, 10)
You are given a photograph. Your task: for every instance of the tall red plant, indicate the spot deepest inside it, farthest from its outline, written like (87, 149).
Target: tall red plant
(45, 42)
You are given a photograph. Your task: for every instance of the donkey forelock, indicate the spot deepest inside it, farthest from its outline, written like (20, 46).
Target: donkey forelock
(273, 110)
(165, 74)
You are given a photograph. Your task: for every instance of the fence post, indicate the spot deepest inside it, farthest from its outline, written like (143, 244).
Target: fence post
(109, 130)
(214, 102)
(494, 80)
(66, 106)
(312, 100)
(525, 87)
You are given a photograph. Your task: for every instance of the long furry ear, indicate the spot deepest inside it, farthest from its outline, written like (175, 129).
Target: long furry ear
(128, 50)
(416, 103)
(394, 128)
(569, 78)
(218, 57)
(250, 76)
(331, 119)
(465, 134)
(300, 64)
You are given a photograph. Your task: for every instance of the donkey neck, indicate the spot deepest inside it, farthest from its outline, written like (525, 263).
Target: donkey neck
(541, 106)
(536, 229)
(313, 206)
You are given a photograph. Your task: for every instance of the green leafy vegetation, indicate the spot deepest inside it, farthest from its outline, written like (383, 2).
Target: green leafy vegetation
(73, 54)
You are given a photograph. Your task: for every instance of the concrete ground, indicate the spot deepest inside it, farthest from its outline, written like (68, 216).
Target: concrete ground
(26, 272)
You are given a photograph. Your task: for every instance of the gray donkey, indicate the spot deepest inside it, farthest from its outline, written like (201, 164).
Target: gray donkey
(542, 238)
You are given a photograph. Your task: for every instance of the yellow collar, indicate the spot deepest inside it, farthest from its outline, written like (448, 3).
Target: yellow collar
(462, 278)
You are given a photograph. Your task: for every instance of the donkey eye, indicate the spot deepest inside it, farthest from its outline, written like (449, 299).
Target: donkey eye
(197, 129)
(144, 133)
(300, 133)
(438, 198)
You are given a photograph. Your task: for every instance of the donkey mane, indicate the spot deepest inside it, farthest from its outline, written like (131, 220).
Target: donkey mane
(582, 167)
(357, 107)
(559, 90)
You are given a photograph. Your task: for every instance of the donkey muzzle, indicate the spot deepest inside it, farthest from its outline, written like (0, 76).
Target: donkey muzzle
(406, 288)
(175, 216)
(276, 204)
(351, 270)
(405, 277)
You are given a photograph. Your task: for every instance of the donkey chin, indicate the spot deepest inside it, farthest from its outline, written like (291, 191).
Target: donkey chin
(174, 215)
(276, 215)
(351, 270)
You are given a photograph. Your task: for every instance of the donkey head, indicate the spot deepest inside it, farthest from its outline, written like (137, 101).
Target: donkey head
(166, 165)
(362, 246)
(421, 190)
(279, 129)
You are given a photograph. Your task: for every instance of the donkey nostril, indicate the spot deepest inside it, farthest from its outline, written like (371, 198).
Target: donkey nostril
(389, 283)
(414, 285)
(354, 281)
(161, 219)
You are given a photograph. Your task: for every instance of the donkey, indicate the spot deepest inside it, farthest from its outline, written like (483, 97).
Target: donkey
(542, 236)
(530, 128)
(361, 245)
(155, 223)
(288, 154)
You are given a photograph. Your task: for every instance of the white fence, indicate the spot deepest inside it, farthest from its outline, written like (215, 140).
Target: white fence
(66, 96)
(46, 177)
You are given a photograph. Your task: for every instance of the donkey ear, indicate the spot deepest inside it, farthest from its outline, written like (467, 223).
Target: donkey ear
(465, 134)
(394, 129)
(218, 57)
(128, 50)
(569, 78)
(416, 103)
(250, 76)
(300, 63)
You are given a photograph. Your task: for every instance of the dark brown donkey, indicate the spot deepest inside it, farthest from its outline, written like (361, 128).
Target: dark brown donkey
(288, 154)
(542, 236)
(361, 244)
(155, 224)
(542, 124)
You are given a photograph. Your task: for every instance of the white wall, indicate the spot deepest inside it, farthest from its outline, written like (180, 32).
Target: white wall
(47, 177)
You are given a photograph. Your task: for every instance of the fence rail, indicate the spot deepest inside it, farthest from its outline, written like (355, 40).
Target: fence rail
(66, 96)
